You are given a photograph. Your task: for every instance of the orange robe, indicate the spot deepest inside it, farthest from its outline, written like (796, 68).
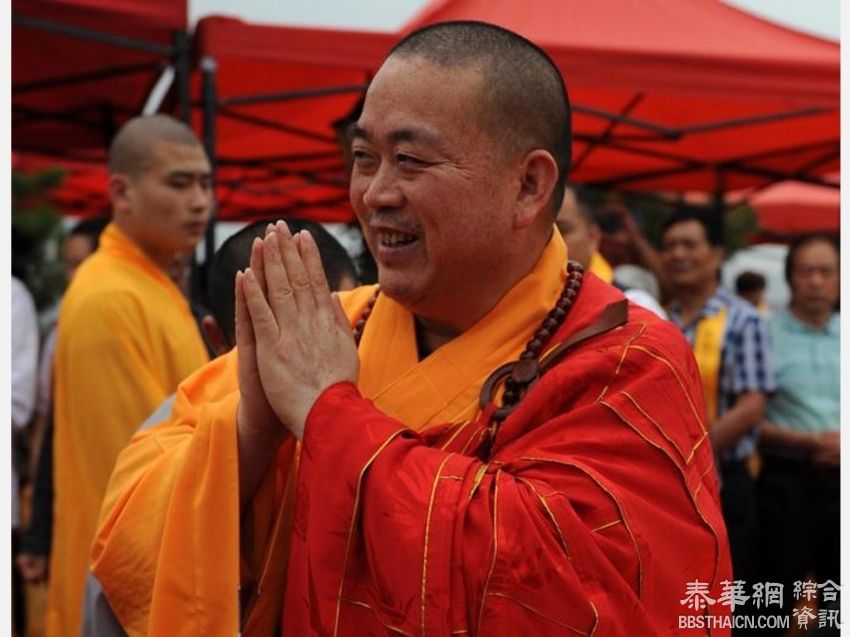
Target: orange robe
(392, 532)
(126, 338)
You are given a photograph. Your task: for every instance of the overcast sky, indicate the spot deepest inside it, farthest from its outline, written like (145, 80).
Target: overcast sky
(820, 17)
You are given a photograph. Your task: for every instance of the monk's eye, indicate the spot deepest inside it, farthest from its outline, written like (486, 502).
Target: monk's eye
(409, 161)
(179, 183)
(363, 159)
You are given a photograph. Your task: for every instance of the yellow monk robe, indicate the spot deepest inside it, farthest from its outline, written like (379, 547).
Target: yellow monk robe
(167, 550)
(600, 267)
(126, 339)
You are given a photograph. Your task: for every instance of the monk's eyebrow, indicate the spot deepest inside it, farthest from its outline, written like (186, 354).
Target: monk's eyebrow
(357, 132)
(188, 174)
(413, 135)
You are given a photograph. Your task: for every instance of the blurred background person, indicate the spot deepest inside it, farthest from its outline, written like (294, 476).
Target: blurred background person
(732, 348)
(634, 260)
(234, 255)
(24, 368)
(582, 234)
(750, 286)
(799, 482)
(126, 335)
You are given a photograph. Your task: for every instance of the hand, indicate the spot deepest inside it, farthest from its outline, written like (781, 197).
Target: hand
(255, 416)
(303, 341)
(33, 567)
(827, 452)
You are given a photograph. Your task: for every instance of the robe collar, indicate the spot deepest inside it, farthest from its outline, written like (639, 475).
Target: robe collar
(114, 242)
(444, 387)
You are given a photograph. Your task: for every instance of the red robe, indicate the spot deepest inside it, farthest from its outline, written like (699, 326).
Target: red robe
(597, 508)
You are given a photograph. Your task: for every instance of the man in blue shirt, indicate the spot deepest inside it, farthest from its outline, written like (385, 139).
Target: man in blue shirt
(732, 347)
(798, 487)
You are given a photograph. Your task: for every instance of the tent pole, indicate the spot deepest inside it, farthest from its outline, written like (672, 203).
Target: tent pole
(90, 34)
(182, 62)
(247, 100)
(209, 97)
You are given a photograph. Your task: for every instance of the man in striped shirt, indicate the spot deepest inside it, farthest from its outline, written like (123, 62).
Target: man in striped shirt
(732, 347)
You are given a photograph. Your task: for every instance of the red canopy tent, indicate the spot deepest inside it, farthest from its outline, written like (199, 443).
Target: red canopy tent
(668, 94)
(674, 95)
(791, 207)
(269, 102)
(264, 97)
(80, 68)
(682, 94)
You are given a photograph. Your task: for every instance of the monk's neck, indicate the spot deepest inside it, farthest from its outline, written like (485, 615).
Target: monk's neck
(431, 335)
(163, 259)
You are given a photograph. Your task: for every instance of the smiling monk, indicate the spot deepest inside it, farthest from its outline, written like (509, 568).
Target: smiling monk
(490, 442)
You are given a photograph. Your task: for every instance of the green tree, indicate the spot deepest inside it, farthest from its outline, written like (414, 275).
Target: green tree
(37, 233)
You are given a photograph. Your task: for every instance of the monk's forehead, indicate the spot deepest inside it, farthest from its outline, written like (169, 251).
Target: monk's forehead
(413, 83)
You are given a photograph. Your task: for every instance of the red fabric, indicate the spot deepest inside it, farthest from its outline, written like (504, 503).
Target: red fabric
(597, 508)
(80, 116)
(685, 63)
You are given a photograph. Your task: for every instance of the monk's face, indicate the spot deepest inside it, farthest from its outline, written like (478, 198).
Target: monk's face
(166, 206)
(429, 185)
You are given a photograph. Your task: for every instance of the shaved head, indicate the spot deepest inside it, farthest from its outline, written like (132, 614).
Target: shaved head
(524, 101)
(130, 150)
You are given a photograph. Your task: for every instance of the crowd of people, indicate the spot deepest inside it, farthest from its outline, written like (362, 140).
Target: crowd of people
(492, 438)
(770, 383)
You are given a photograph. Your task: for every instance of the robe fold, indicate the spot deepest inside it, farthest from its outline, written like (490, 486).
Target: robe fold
(126, 338)
(597, 507)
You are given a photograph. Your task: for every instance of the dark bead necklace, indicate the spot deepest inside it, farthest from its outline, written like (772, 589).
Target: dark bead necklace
(518, 375)
(357, 332)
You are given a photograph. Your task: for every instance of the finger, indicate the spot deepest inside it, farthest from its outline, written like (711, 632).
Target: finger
(279, 293)
(265, 327)
(339, 313)
(295, 271)
(244, 330)
(315, 272)
(257, 263)
(282, 228)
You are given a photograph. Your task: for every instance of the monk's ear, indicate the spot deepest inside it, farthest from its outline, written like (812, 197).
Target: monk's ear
(120, 193)
(538, 175)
